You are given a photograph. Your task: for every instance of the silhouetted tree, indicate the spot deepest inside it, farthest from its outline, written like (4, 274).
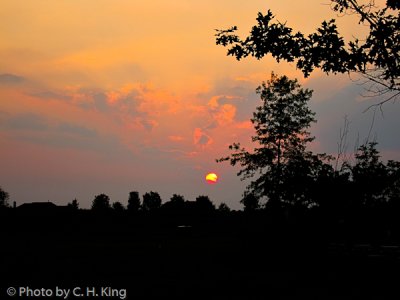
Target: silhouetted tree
(118, 207)
(284, 167)
(303, 173)
(370, 175)
(177, 202)
(223, 207)
(376, 57)
(177, 199)
(392, 193)
(151, 201)
(372, 181)
(74, 204)
(203, 203)
(4, 197)
(393, 173)
(134, 202)
(101, 203)
(250, 202)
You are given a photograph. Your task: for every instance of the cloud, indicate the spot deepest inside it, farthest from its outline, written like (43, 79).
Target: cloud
(8, 78)
(238, 94)
(90, 99)
(100, 101)
(27, 121)
(148, 124)
(225, 115)
(222, 109)
(51, 95)
(74, 129)
(137, 115)
(200, 138)
(244, 125)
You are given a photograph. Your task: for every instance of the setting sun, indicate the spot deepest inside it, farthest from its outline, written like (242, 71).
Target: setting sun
(211, 178)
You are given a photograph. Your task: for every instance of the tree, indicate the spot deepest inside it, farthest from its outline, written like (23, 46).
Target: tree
(392, 193)
(393, 173)
(250, 202)
(370, 175)
(376, 57)
(74, 204)
(177, 199)
(282, 165)
(4, 197)
(134, 202)
(374, 184)
(151, 201)
(223, 207)
(203, 203)
(117, 206)
(177, 202)
(101, 203)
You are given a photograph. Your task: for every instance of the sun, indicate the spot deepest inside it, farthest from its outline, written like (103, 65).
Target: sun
(211, 178)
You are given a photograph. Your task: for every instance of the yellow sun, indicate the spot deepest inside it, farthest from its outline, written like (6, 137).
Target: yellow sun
(211, 178)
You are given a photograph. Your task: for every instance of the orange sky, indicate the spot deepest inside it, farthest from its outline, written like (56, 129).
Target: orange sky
(100, 96)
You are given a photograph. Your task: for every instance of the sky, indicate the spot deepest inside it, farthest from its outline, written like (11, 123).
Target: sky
(101, 96)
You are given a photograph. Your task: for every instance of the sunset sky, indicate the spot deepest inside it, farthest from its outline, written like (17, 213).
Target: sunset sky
(101, 96)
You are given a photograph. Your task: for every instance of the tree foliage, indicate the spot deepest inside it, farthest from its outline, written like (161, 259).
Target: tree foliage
(151, 201)
(74, 204)
(101, 203)
(134, 202)
(177, 199)
(281, 164)
(177, 202)
(4, 197)
(223, 207)
(373, 180)
(203, 203)
(250, 202)
(376, 57)
(118, 207)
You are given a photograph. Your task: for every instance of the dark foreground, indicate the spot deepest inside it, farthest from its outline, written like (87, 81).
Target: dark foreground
(193, 257)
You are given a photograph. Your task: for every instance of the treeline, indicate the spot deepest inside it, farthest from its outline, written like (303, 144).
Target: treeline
(368, 183)
(151, 201)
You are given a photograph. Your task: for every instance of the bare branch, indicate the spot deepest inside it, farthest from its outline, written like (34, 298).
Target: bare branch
(342, 144)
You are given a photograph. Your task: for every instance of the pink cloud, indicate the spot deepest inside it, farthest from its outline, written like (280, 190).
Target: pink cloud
(225, 114)
(200, 138)
(244, 125)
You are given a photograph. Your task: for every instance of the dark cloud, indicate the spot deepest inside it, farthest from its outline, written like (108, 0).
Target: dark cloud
(100, 101)
(35, 129)
(8, 78)
(203, 140)
(27, 122)
(147, 124)
(93, 99)
(240, 93)
(51, 95)
(228, 100)
(130, 103)
(107, 145)
(76, 130)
